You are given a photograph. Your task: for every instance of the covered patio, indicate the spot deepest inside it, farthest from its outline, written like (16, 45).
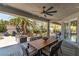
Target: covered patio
(36, 32)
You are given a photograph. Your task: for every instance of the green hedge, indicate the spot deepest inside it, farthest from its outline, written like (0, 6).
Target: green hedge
(3, 28)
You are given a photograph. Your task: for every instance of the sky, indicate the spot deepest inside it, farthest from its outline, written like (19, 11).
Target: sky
(5, 16)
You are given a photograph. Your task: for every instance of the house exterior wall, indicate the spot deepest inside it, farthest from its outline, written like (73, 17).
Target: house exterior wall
(70, 48)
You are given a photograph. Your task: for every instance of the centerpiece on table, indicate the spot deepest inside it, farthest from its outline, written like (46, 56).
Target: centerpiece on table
(45, 38)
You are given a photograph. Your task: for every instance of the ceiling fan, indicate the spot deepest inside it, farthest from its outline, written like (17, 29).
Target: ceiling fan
(48, 11)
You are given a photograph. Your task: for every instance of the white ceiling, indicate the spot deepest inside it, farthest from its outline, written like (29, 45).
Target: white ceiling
(63, 10)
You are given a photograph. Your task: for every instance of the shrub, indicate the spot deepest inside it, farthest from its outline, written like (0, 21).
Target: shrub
(3, 28)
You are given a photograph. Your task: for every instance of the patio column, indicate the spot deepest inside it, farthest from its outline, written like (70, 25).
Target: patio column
(78, 30)
(62, 31)
(48, 27)
(69, 31)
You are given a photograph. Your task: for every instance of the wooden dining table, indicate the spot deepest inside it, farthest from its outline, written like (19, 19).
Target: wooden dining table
(41, 43)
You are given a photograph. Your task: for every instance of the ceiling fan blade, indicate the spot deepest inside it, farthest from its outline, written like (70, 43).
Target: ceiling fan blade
(49, 14)
(43, 11)
(52, 12)
(45, 15)
(49, 9)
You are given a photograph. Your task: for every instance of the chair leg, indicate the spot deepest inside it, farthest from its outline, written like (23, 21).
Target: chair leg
(39, 53)
(56, 54)
(61, 51)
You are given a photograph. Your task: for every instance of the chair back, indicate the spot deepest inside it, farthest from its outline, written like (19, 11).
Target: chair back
(33, 38)
(23, 39)
(39, 37)
(14, 33)
(55, 48)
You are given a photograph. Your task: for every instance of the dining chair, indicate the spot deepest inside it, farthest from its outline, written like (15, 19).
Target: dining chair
(25, 53)
(31, 51)
(23, 39)
(35, 38)
(53, 51)
(14, 33)
(47, 49)
(39, 37)
(32, 38)
(28, 50)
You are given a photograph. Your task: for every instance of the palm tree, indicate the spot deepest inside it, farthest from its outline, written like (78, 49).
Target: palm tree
(23, 22)
(15, 21)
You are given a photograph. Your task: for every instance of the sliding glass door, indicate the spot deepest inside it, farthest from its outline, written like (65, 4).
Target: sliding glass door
(66, 31)
(55, 29)
(70, 31)
(73, 31)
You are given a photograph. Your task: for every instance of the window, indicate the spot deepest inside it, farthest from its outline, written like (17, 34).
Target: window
(73, 31)
(54, 29)
(28, 26)
(70, 31)
(40, 28)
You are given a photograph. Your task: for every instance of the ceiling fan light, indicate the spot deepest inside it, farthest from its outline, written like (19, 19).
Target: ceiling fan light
(44, 7)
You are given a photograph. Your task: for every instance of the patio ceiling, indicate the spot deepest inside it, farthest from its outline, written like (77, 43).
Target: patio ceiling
(63, 10)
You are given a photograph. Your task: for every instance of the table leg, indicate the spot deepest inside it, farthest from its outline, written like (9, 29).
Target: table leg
(39, 52)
